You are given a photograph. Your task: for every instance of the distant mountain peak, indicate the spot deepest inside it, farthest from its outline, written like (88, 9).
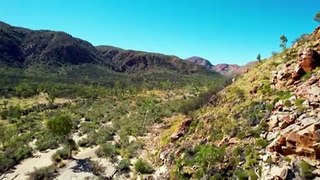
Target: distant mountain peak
(200, 61)
(229, 70)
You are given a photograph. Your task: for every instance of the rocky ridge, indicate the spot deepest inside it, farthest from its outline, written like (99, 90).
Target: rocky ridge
(25, 48)
(265, 125)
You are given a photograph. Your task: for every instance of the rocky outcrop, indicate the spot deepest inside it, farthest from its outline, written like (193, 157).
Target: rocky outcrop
(294, 123)
(290, 73)
(309, 60)
(182, 130)
(301, 138)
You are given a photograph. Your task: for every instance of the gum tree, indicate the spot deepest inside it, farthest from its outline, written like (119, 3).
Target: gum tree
(61, 126)
(284, 41)
(317, 17)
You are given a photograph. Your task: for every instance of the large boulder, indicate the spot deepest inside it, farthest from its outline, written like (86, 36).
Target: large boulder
(309, 60)
(297, 73)
(301, 140)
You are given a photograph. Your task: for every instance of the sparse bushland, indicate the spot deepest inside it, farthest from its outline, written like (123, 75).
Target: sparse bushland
(48, 107)
(46, 110)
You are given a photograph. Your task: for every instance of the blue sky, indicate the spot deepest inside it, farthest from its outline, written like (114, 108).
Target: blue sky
(223, 31)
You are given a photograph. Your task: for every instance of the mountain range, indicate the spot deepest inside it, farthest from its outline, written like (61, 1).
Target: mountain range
(25, 48)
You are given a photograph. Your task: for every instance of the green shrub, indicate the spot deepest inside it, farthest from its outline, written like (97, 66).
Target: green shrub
(254, 132)
(143, 167)
(254, 112)
(96, 168)
(299, 102)
(87, 127)
(25, 90)
(206, 156)
(124, 165)
(251, 159)
(45, 142)
(14, 151)
(306, 169)
(239, 93)
(22, 152)
(129, 150)
(197, 102)
(4, 114)
(85, 142)
(61, 154)
(45, 173)
(288, 159)
(270, 106)
(60, 126)
(241, 175)
(106, 150)
(287, 103)
(269, 160)
(306, 76)
(301, 109)
(105, 134)
(262, 143)
(252, 174)
(266, 89)
(12, 112)
(237, 151)
(5, 162)
(241, 135)
(275, 64)
(283, 95)
(91, 140)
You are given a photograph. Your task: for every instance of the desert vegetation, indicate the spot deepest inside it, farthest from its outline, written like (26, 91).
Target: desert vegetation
(42, 113)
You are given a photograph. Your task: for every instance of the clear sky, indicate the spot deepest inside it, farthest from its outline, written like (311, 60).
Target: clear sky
(222, 31)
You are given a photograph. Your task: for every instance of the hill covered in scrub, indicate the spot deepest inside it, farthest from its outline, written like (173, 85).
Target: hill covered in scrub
(265, 125)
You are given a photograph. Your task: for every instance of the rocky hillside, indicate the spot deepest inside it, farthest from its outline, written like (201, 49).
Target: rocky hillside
(200, 61)
(229, 70)
(135, 61)
(25, 48)
(265, 125)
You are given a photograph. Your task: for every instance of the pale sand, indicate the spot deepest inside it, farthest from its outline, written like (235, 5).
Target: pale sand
(79, 168)
(39, 160)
